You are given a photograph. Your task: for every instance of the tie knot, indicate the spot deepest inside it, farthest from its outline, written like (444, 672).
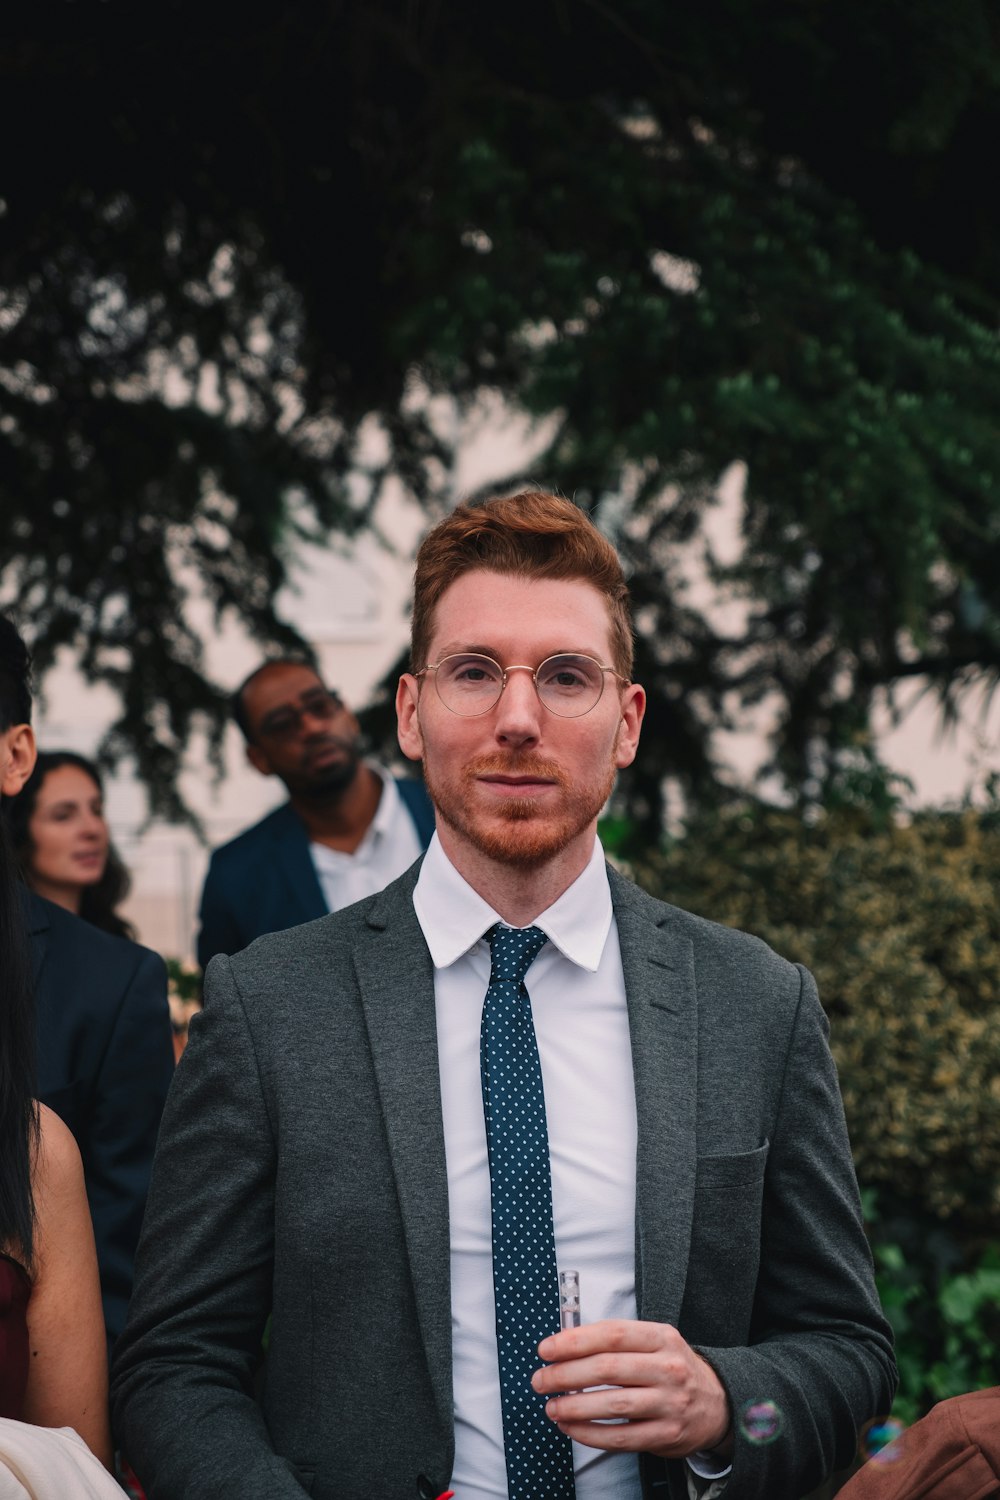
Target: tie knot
(514, 950)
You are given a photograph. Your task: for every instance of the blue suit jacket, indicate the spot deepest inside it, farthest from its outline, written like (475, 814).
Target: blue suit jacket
(105, 1061)
(264, 880)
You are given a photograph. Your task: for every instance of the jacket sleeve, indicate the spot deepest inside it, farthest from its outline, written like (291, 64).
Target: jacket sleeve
(220, 930)
(820, 1349)
(951, 1454)
(118, 1144)
(182, 1382)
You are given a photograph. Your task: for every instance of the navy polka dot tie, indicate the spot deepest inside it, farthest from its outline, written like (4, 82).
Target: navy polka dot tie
(539, 1457)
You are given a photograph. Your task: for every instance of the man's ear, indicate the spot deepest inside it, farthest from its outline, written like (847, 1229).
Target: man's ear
(633, 708)
(259, 761)
(18, 754)
(411, 741)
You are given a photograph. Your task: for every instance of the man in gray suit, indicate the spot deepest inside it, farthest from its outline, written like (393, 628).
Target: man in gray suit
(328, 1158)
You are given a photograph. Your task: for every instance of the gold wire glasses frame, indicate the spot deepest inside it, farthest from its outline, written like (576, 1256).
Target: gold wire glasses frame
(568, 685)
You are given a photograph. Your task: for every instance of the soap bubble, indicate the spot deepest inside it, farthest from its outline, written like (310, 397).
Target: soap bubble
(761, 1422)
(882, 1440)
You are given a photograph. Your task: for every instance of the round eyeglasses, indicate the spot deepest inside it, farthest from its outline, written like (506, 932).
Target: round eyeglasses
(569, 686)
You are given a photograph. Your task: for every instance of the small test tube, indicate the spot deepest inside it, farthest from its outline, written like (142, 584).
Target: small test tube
(569, 1299)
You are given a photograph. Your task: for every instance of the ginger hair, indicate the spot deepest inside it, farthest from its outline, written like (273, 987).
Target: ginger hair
(532, 534)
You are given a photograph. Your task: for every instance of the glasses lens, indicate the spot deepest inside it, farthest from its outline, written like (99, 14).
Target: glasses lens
(320, 705)
(285, 722)
(570, 685)
(468, 684)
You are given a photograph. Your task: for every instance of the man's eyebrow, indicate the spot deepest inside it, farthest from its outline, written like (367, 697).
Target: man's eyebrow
(452, 649)
(280, 711)
(295, 705)
(313, 692)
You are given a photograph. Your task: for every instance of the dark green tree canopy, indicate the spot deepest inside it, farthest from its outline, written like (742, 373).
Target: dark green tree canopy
(690, 235)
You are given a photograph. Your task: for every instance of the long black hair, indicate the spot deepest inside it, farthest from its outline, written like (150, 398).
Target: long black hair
(18, 1110)
(98, 901)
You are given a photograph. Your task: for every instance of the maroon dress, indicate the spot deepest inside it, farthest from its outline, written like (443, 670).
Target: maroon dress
(15, 1289)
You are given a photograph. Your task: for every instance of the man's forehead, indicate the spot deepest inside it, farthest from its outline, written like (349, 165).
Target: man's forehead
(285, 682)
(490, 612)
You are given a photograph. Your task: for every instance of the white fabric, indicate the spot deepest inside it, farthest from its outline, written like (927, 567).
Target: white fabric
(50, 1463)
(697, 1489)
(578, 1005)
(389, 847)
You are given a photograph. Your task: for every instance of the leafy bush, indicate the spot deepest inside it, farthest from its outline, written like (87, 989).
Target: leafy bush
(183, 996)
(943, 1300)
(900, 923)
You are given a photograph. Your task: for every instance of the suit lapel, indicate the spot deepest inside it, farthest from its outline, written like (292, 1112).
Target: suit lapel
(658, 964)
(396, 981)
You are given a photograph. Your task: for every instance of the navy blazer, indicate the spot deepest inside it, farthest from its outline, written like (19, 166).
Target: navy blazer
(105, 1061)
(264, 880)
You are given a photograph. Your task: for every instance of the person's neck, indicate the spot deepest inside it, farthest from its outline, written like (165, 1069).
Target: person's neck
(69, 897)
(516, 893)
(342, 820)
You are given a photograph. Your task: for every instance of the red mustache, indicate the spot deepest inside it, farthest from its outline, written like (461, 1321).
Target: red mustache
(514, 765)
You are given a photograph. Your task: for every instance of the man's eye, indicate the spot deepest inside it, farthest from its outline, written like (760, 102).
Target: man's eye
(473, 673)
(564, 675)
(281, 725)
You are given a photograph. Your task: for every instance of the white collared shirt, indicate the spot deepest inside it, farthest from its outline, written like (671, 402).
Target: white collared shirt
(577, 992)
(389, 847)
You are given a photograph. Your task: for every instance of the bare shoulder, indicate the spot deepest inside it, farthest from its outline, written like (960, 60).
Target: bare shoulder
(58, 1167)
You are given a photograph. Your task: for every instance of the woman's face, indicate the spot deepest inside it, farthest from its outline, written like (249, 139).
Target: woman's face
(69, 837)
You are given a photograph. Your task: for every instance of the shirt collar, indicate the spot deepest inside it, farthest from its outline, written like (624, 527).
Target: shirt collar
(453, 917)
(387, 811)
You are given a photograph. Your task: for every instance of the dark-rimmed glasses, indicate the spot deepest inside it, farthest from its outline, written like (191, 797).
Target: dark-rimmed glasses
(286, 720)
(567, 685)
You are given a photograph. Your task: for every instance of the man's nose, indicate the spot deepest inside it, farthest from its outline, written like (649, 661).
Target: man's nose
(518, 714)
(313, 721)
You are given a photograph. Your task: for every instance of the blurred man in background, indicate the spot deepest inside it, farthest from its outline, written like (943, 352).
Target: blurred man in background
(347, 829)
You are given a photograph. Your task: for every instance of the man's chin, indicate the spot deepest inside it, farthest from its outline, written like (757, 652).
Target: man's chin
(327, 782)
(520, 838)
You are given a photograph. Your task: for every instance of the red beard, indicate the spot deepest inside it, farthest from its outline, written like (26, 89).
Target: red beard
(518, 831)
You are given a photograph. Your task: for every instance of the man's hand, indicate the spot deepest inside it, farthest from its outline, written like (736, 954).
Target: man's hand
(672, 1400)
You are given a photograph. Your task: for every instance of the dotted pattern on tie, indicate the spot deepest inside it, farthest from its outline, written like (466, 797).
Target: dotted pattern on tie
(539, 1457)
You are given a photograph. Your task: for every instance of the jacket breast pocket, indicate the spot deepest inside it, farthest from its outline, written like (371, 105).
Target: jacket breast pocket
(725, 1247)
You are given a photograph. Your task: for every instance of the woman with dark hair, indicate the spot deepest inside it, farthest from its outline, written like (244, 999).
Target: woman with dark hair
(53, 1368)
(60, 836)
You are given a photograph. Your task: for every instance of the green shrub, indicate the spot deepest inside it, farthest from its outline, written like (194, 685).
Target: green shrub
(943, 1300)
(900, 923)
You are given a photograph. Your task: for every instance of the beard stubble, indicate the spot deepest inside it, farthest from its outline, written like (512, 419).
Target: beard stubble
(518, 832)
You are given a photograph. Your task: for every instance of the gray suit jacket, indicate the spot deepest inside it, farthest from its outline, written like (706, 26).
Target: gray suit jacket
(301, 1171)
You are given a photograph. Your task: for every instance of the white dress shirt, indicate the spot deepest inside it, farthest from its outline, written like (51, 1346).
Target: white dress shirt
(578, 1005)
(389, 847)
